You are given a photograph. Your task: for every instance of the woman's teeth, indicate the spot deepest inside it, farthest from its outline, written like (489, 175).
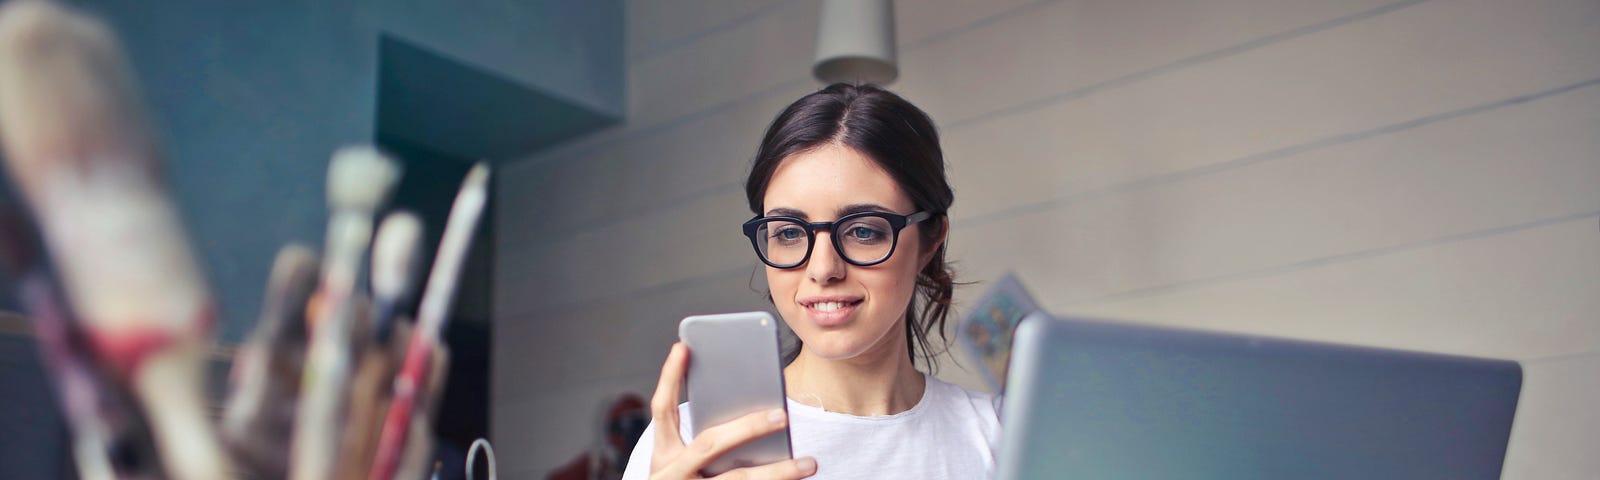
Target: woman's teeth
(827, 306)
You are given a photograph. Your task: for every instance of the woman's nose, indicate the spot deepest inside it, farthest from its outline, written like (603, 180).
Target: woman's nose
(825, 266)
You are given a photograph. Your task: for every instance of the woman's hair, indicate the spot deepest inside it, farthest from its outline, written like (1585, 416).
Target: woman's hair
(901, 140)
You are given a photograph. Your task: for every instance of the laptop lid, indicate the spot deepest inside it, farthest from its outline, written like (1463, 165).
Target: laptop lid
(1101, 400)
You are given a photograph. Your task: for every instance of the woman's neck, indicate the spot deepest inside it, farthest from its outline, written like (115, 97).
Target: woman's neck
(876, 383)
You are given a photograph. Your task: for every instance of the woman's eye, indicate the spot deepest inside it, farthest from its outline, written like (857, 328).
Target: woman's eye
(862, 233)
(788, 234)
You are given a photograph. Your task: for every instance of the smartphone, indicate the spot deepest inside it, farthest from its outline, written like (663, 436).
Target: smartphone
(734, 370)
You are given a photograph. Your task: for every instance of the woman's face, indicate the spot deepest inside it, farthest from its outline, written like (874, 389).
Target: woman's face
(841, 310)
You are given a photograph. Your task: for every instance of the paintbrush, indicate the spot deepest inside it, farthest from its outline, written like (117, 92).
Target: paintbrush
(359, 179)
(77, 145)
(258, 419)
(394, 267)
(432, 315)
(395, 258)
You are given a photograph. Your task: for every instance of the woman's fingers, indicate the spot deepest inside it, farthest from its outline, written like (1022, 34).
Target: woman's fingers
(664, 404)
(788, 469)
(673, 459)
(717, 440)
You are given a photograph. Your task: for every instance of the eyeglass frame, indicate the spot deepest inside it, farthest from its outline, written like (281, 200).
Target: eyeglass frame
(897, 222)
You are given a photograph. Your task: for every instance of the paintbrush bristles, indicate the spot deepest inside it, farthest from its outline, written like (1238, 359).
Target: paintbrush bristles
(360, 178)
(66, 94)
(394, 256)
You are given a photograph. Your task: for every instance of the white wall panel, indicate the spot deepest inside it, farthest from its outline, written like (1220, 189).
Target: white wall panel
(766, 52)
(1522, 293)
(1381, 72)
(1073, 44)
(657, 26)
(688, 242)
(1526, 162)
(918, 22)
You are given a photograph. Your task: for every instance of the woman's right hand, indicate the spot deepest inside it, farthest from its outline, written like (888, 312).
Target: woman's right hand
(672, 460)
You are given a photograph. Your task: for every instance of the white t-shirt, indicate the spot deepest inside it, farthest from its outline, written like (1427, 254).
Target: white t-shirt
(952, 433)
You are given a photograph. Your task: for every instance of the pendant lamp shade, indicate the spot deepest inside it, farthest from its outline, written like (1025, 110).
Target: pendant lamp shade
(855, 42)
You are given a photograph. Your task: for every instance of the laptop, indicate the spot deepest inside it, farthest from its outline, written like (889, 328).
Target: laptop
(1101, 400)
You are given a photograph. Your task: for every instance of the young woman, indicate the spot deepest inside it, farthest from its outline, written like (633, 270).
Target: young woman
(850, 196)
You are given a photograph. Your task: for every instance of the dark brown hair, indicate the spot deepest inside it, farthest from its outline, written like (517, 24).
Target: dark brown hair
(900, 138)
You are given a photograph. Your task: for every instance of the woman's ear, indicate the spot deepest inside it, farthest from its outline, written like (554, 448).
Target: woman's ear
(932, 247)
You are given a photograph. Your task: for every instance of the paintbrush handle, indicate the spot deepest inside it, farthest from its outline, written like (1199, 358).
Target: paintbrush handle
(397, 421)
(453, 248)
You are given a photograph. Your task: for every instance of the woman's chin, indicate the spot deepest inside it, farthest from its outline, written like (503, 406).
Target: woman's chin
(837, 345)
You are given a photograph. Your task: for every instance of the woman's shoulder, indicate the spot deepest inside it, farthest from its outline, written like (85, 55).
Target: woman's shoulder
(973, 412)
(985, 404)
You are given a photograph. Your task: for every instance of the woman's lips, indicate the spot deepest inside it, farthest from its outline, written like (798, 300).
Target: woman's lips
(830, 312)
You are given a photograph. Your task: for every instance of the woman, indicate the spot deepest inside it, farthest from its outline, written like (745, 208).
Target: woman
(850, 198)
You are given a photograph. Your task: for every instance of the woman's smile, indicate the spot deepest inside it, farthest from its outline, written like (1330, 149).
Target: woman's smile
(830, 311)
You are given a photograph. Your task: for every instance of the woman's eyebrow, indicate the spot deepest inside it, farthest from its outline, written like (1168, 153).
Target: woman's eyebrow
(863, 207)
(845, 210)
(786, 212)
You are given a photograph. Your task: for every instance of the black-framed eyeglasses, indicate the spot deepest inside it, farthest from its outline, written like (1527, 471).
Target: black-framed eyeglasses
(862, 239)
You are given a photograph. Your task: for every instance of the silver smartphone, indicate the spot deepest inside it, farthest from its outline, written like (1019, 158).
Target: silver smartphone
(734, 370)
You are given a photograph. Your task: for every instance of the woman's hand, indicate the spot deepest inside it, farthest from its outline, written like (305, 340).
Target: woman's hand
(672, 460)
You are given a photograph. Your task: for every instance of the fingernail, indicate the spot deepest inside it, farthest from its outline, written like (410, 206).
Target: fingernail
(776, 417)
(807, 465)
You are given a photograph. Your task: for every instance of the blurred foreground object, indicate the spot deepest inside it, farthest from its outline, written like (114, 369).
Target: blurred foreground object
(109, 438)
(259, 417)
(985, 331)
(77, 144)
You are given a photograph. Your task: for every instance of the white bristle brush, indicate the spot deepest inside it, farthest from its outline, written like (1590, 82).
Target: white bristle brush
(395, 258)
(77, 145)
(359, 180)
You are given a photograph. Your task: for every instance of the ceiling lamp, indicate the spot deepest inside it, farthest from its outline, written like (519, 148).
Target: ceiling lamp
(855, 42)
